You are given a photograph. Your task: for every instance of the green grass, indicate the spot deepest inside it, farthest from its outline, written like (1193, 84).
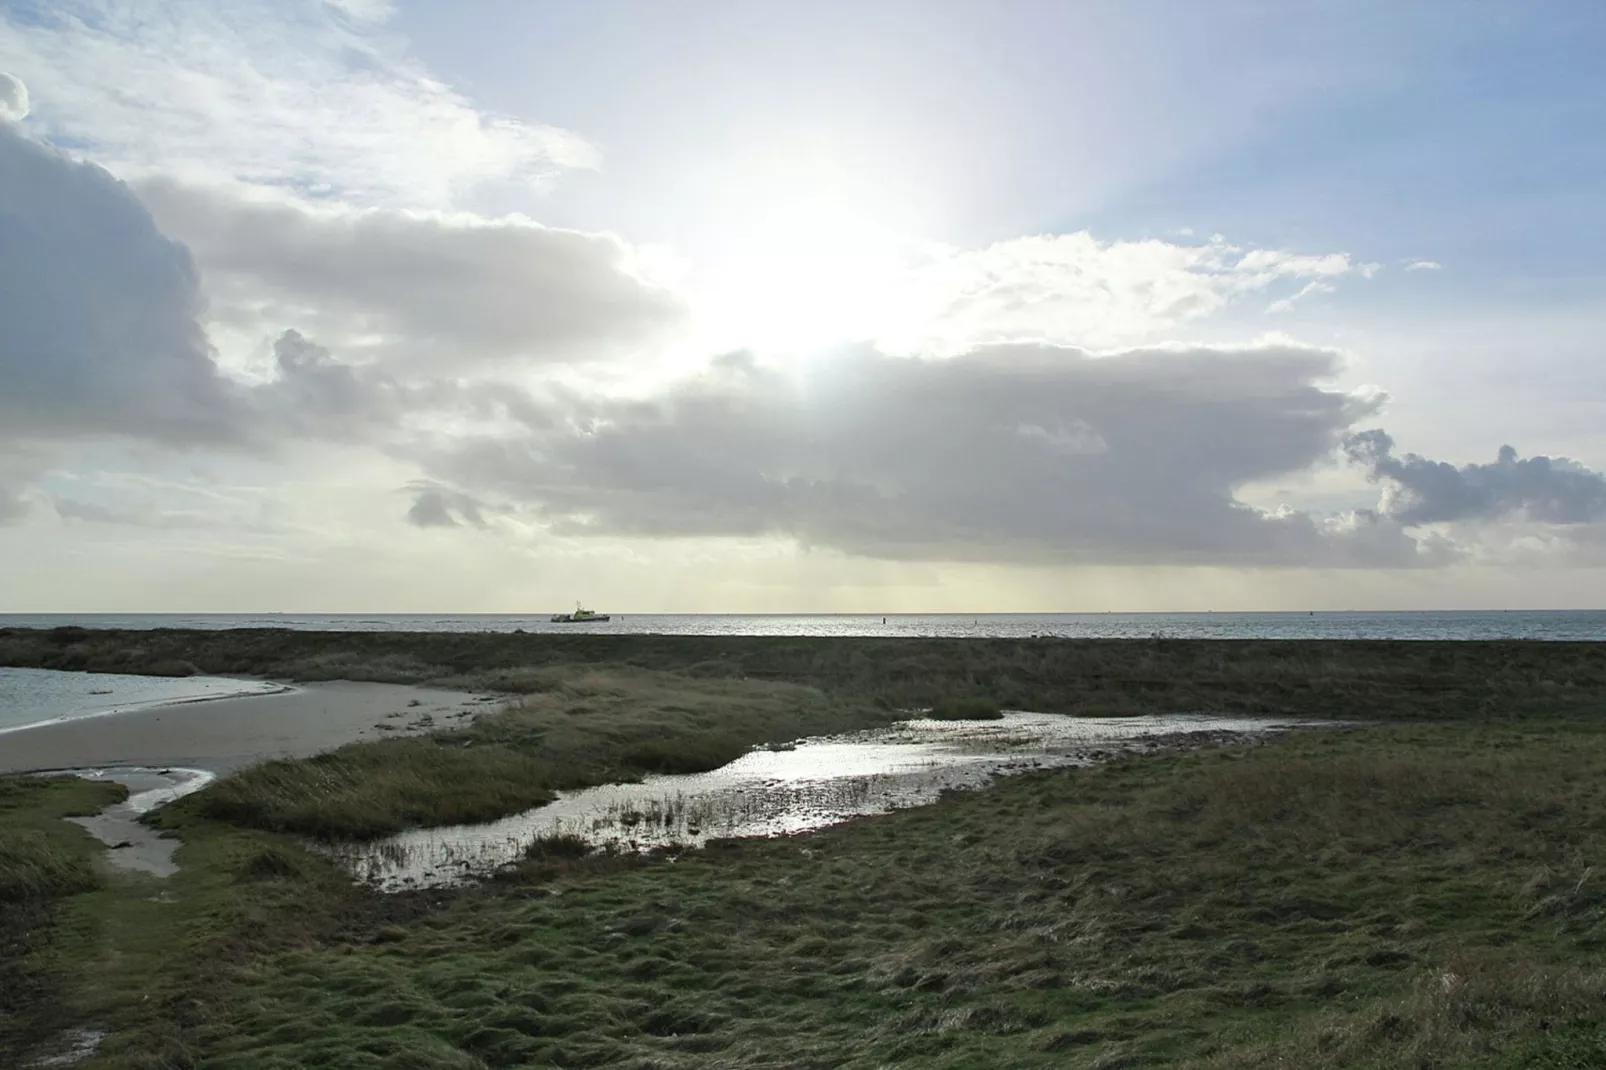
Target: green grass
(1392, 896)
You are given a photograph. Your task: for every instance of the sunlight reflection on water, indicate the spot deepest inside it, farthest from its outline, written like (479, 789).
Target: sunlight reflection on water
(780, 791)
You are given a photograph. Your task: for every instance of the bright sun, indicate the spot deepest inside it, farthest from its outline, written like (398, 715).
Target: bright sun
(807, 259)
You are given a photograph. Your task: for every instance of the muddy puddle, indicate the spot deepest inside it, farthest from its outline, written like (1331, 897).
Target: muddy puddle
(131, 845)
(783, 790)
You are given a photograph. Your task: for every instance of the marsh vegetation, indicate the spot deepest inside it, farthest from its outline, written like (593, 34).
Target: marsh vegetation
(1423, 891)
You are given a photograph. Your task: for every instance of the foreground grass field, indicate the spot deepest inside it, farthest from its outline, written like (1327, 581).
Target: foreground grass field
(1413, 892)
(1425, 896)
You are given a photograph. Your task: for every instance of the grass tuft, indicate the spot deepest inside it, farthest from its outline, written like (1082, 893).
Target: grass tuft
(35, 865)
(367, 790)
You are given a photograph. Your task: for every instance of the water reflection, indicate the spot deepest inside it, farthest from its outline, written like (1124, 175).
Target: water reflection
(782, 790)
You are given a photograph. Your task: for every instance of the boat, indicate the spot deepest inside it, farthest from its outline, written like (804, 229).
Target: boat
(581, 615)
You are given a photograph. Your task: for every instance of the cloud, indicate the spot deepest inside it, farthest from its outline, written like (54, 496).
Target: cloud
(444, 290)
(1547, 490)
(300, 94)
(1315, 286)
(12, 505)
(102, 336)
(441, 507)
(373, 11)
(98, 311)
(13, 98)
(100, 333)
(1074, 289)
(1424, 265)
(1021, 453)
(316, 396)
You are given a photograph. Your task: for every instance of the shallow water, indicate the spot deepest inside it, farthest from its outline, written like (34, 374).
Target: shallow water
(807, 785)
(134, 846)
(33, 697)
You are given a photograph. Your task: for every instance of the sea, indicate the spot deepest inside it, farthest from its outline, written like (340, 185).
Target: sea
(1550, 625)
(33, 697)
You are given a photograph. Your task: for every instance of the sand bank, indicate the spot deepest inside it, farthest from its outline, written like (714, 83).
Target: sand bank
(224, 734)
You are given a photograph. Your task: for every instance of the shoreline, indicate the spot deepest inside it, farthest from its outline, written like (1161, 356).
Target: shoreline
(277, 688)
(226, 733)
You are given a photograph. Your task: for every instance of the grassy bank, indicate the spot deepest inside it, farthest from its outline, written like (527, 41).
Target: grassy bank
(1310, 678)
(571, 728)
(1426, 896)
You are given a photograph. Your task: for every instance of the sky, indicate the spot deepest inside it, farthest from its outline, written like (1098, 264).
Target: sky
(720, 306)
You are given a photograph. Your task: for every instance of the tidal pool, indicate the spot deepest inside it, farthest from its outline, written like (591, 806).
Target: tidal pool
(132, 845)
(792, 788)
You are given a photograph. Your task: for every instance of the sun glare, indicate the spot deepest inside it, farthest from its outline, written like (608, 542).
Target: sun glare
(807, 260)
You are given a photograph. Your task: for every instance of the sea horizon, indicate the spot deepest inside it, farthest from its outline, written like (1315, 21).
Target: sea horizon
(1417, 624)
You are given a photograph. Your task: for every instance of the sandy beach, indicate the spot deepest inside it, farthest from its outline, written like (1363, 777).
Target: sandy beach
(222, 735)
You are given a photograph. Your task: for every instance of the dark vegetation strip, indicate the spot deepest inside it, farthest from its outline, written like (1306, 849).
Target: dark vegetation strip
(1310, 678)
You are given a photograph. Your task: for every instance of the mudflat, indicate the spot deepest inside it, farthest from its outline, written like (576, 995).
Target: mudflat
(223, 735)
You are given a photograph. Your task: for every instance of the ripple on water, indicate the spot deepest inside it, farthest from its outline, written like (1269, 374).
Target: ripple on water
(779, 791)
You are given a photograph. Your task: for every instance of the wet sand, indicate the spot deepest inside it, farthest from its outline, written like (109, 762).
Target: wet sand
(222, 735)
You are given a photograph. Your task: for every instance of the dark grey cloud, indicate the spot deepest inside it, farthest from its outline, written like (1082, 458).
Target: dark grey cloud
(1011, 453)
(436, 290)
(435, 506)
(98, 311)
(1549, 490)
(314, 395)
